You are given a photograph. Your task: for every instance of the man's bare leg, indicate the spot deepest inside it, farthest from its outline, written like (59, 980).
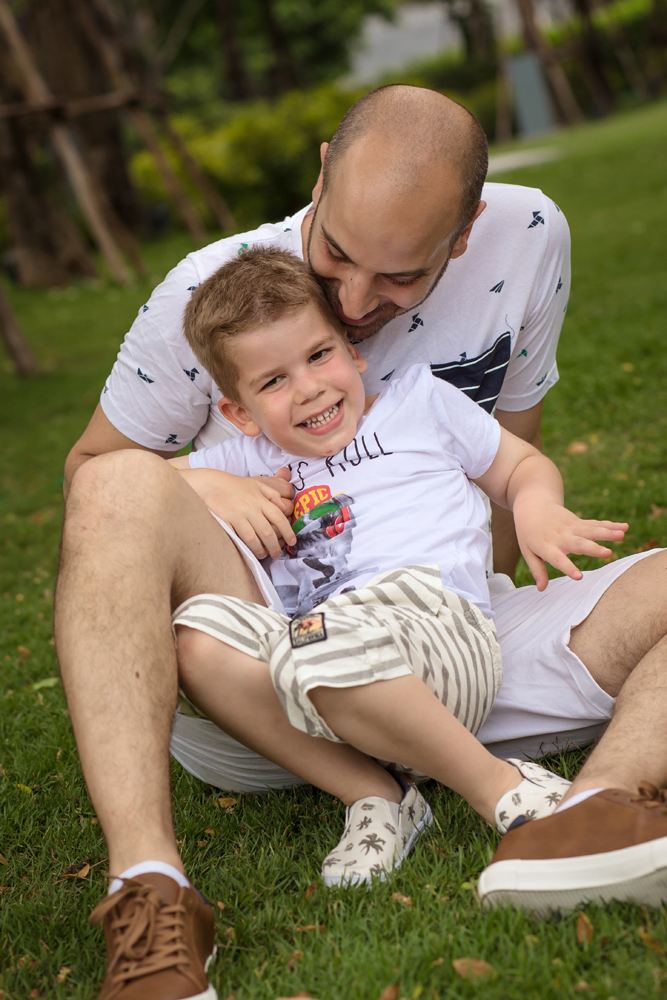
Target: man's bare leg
(136, 542)
(623, 645)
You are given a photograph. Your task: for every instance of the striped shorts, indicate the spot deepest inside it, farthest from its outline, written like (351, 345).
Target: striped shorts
(402, 622)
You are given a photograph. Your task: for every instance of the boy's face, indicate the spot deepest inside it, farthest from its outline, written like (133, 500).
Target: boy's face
(300, 384)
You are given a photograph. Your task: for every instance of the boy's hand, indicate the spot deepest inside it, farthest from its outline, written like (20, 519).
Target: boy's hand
(547, 531)
(254, 508)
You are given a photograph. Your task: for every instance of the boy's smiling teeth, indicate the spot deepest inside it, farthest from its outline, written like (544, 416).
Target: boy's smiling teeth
(322, 418)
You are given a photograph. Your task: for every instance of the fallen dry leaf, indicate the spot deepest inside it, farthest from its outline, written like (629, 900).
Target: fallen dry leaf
(25, 788)
(34, 994)
(210, 830)
(652, 543)
(63, 974)
(309, 927)
(583, 987)
(398, 897)
(227, 804)
(472, 968)
(312, 888)
(390, 992)
(230, 934)
(657, 512)
(23, 652)
(3, 861)
(84, 871)
(47, 682)
(584, 929)
(202, 843)
(436, 962)
(296, 996)
(577, 448)
(650, 941)
(296, 956)
(59, 754)
(221, 905)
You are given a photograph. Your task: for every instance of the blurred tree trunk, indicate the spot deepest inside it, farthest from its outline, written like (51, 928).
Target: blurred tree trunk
(475, 23)
(72, 69)
(49, 249)
(282, 75)
(235, 75)
(592, 62)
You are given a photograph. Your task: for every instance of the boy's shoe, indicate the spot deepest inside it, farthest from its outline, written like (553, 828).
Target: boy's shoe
(613, 845)
(159, 939)
(378, 835)
(537, 796)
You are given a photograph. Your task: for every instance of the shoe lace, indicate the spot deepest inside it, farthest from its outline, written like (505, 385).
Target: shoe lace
(147, 935)
(651, 797)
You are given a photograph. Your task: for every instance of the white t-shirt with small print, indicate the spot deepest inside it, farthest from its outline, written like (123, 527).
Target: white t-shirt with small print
(490, 327)
(398, 495)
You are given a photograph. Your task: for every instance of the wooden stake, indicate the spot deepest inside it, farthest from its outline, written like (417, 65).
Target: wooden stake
(142, 123)
(215, 202)
(565, 99)
(16, 345)
(85, 188)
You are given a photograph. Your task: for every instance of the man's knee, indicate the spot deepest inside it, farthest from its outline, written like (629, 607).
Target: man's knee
(110, 483)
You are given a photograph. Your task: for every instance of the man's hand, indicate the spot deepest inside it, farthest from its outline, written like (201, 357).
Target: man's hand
(547, 532)
(256, 509)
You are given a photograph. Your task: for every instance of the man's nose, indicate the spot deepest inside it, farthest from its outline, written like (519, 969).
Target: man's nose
(357, 296)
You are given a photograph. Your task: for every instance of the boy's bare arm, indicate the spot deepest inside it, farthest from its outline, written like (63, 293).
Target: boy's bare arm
(253, 507)
(529, 484)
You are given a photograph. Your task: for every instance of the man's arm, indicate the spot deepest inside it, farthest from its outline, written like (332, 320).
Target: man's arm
(525, 424)
(99, 437)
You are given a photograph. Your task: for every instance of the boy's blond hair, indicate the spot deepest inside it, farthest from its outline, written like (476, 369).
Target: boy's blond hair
(254, 289)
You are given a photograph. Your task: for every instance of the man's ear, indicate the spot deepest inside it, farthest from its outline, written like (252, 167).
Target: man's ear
(239, 416)
(359, 363)
(461, 244)
(317, 190)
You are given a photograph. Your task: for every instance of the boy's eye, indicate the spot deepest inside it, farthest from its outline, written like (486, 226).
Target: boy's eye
(318, 355)
(272, 382)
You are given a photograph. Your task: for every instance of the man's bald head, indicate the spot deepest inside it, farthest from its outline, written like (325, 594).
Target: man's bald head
(421, 132)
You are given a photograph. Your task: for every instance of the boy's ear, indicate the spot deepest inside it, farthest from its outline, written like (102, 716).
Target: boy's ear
(359, 363)
(239, 416)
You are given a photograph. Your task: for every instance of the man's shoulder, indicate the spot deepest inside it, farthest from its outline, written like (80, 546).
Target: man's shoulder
(514, 201)
(286, 235)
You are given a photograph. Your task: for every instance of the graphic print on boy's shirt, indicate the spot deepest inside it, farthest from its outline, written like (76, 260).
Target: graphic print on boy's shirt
(323, 525)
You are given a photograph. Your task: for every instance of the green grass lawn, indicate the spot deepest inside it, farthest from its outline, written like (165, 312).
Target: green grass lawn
(257, 861)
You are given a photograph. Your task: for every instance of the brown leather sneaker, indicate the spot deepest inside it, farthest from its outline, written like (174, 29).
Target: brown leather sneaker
(159, 939)
(613, 845)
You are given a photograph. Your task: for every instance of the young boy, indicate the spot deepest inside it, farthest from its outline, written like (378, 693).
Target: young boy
(377, 642)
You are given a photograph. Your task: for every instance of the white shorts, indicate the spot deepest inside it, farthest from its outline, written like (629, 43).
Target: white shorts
(547, 700)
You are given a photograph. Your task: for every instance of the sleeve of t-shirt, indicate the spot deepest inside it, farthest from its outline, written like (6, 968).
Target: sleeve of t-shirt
(157, 393)
(466, 431)
(241, 456)
(532, 370)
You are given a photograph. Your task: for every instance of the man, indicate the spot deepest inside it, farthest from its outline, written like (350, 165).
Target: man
(419, 269)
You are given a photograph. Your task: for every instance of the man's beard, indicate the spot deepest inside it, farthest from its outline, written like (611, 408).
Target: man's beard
(380, 316)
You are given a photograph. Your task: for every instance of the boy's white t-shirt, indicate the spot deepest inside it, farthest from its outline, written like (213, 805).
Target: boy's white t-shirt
(399, 495)
(490, 326)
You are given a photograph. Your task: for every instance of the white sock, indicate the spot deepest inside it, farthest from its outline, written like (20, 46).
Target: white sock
(579, 797)
(150, 866)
